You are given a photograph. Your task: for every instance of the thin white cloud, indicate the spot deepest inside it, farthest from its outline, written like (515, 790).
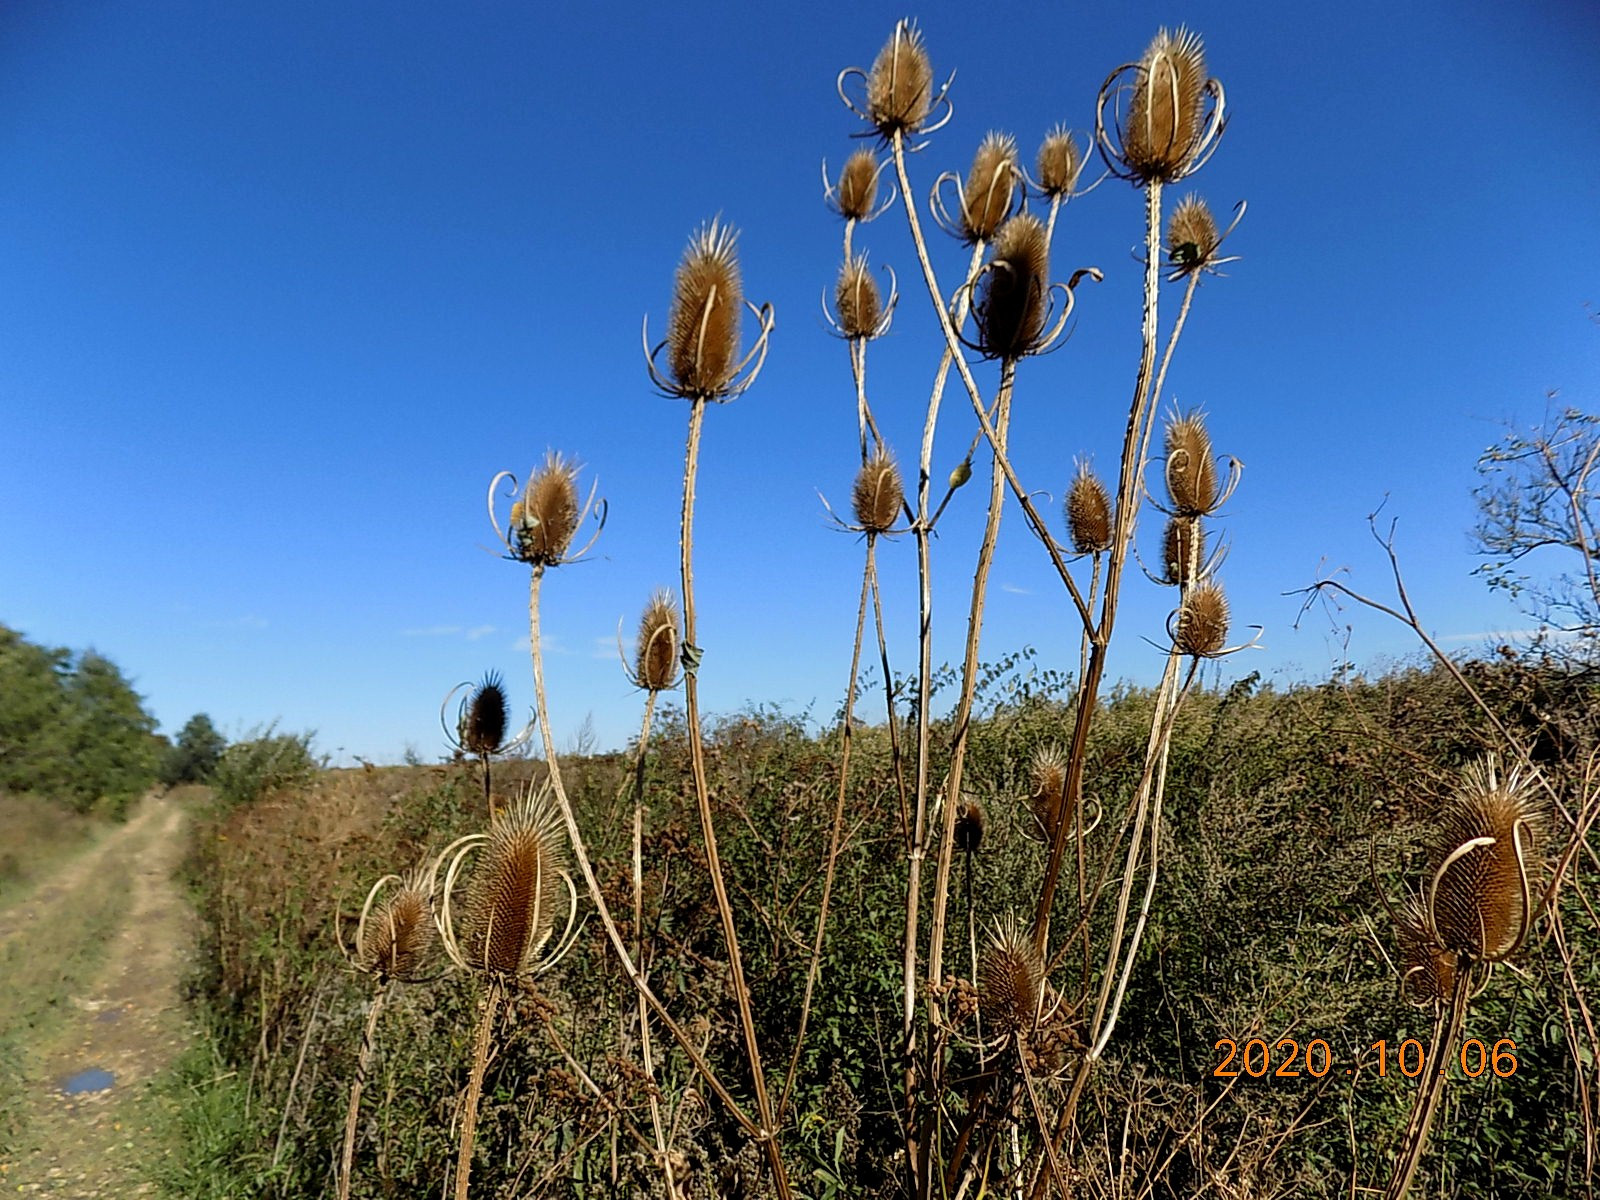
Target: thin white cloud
(472, 634)
(479, 631)
(1015, 590)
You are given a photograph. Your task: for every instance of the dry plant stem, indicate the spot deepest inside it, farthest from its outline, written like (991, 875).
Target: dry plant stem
(581, 854)
(895, 754)
(691, 694)
(833, 833)
(1446, 1032)
(469, 1109)
(969, 680)
(645, 1050)
(363, 1062)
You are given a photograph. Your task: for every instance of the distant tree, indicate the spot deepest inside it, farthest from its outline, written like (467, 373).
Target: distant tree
(33, 715)
(114, 749)
(193, 758)
(1539, 501)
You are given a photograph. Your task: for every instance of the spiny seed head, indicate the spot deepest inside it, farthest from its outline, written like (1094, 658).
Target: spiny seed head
(1165, 112)
(1088, 512)
(857, 301)
(990, 190)
(482, 728)
(1060, 162)
(1203, 622)
(1012, 301)
(398, 936)
(1183, 551)
(858, 185)
(1427, 969)
(1191, 466)
(549, 512)
(516, 888)
(878, 494)
(900, 84)
(1047, 774)
(969, 825)
(1478, 902)
(656, 654)
(1010, 978)
(703, 324)
(1191, 235)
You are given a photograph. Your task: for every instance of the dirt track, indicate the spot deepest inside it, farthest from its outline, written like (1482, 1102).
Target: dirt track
(129, 1021)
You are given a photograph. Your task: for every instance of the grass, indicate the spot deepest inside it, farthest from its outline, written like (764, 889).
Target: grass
(35, 835)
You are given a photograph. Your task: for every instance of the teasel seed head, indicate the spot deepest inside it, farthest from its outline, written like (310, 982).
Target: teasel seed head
(1191, 466)
(1047, 774)
(1202, 622)
(969, 825)
(397, 938)
(1060, 163)
(1485, 864)
(900, 84)
(548, 518)
(1167, 108)
(1192, 237)
(1013, 294)
(660, 638)
(857, 301)
(878, 494)
(1183, 551)
(1428, 970)
(482, 728)
(858, 185)
(703, 323)
(518, 887)
(1088, 512)
(1010, 978)
(989, 194)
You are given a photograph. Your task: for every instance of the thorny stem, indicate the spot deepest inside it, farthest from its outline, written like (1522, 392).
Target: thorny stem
(645, 1050)
(691, 692)
(363, 1063)
(888, 699)
(580, 851)
(845, 739)
(1446, 1031)
(469, 1109)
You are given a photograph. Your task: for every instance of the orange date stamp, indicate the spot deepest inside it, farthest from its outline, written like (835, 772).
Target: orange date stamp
(1286, 1058)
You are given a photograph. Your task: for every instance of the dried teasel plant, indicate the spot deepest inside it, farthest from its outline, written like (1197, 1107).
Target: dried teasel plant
(1047, 776)
(1202, 622)
(1059, 164)
(658, 644)
(855, 195)
(482, 718)
(899, 96)
(703, 339)
(1012, 303)
(989, 195)
(396, 939)
(861, 311)
(1427, 969)
(509, 918)
(1161, 126)
(1191, 467)
(878, 495)
(970, 823)
(1088, 512)
(1183, 552)
(1193, 241)
(1484, 860)
(1011, 979)
(545, 515)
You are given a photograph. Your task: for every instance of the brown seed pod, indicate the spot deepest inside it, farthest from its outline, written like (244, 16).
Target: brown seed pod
(1013, 294)
(1485, 860)
(858, 185)
(1047, 774)
(1183, 551)
(900, 84)
(1010, 978)
(856, 299)
(969, 825)
(549, 514)
(1428, 970)
(1191, 466)
(1088, 513)
(1202, 622)
(1192, 237)
(1166, 110)
(482, 727)
(990, 192)
(1060, 163)
(396, 939)
(703, 323)
(656, 652)
(517, 889)
(878, 494)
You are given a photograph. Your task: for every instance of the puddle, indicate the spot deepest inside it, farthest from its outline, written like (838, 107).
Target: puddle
(95, 1079)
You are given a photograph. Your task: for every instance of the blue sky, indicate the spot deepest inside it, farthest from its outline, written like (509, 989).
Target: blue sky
(282, 286)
